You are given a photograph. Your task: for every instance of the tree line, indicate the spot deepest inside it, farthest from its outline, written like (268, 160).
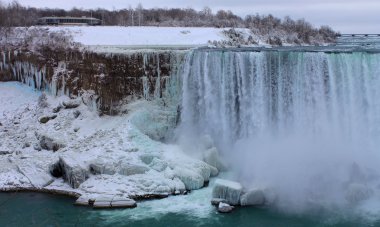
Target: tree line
(297, 31)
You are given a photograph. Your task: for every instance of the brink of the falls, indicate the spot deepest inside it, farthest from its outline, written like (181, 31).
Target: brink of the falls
(304, 125)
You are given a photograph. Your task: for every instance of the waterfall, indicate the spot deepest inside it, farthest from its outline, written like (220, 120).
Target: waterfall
(304, 124)
(233, 95)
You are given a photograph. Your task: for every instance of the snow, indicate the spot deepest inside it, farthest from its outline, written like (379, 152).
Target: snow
(101, 156)
(144, 36)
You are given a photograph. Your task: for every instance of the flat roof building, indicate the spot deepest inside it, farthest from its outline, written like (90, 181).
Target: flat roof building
(69, 21)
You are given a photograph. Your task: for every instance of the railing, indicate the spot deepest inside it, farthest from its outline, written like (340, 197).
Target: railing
(358, 39)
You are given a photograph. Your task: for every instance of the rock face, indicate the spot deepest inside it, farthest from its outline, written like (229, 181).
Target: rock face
(228, 190)
(225, 208)
(111, 78)
(254, 197)
(70, 170)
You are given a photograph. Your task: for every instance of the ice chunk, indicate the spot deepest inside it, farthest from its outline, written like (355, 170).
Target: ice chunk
(128, 169)
(225, 208)
(228, 190)
(123, 203)
(211, 157)
(71, 170)
(102, 166)
(191, 179)
(254, 197)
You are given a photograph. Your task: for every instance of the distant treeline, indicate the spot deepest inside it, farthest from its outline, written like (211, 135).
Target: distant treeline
(296, 31)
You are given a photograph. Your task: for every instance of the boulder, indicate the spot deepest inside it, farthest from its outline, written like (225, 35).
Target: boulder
(45, 119)
(70, 170)
(225, 208)
(71, 104)
(76, 113)
(49, 144)
(228, 190)
(254, 197)
(57, 109)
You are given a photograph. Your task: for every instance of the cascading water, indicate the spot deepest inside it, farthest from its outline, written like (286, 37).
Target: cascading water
(305, 124)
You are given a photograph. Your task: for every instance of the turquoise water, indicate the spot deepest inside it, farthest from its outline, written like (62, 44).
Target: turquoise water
(35, 209)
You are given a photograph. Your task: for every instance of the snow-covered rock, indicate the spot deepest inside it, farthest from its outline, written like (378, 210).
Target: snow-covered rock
(103, 166)
(228, 190)
(39, 178)
(71, 104)
(225, 208)
(49, 143)
(45, 119)
(254, 197)
(71, 170)
(128, 169)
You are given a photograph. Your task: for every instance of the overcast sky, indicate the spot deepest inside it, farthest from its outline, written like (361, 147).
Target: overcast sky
(346, 16)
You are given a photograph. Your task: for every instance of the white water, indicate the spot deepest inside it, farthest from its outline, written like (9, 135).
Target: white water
(305, 124)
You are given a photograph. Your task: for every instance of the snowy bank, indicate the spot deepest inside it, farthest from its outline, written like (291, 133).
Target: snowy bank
(144, 36)
(100, 157)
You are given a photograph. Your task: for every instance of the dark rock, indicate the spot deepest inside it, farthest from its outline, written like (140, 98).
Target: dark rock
(49, 144)
(45, 119)
(76, 113)
(71, 104)
(5, 152)
(57, 109)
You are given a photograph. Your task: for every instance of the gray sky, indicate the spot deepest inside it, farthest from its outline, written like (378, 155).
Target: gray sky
(346, 16)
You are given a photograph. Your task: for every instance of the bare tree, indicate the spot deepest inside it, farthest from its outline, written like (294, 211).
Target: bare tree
(139, 10)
